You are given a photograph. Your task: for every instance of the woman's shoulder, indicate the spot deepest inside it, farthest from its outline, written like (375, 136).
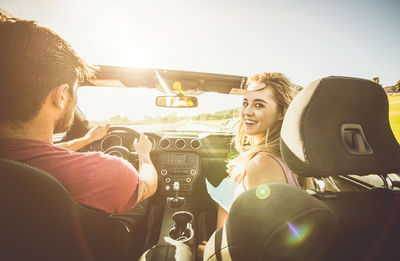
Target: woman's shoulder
(263, 160)
(264, 168)
(272, 168)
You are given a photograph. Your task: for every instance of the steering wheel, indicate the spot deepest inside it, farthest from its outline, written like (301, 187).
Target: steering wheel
(122, 151)
(124, 129)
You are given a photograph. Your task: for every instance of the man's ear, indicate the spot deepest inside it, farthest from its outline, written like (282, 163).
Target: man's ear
(59, 96)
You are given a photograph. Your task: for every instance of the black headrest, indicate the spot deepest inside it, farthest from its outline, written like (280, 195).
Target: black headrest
(339, 126)
(276, 222)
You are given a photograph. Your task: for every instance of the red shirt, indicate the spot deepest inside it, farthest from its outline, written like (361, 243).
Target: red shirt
(93, 179)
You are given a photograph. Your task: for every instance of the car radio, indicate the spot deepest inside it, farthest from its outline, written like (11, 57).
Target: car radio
(178, 166)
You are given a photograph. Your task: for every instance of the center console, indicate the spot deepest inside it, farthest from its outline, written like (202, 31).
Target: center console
(182, 167)
(178, 168)
(176, 241)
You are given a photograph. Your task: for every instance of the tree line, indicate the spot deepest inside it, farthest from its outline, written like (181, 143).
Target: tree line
(171, 118)
(396, 87)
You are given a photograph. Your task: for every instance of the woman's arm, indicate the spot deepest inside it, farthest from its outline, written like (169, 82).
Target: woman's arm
(222, 215)
(261, 169)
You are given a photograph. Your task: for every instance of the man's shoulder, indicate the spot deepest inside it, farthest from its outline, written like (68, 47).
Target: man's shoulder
(20, 141)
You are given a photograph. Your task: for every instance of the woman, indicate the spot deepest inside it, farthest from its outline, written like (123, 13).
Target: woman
(267, 98)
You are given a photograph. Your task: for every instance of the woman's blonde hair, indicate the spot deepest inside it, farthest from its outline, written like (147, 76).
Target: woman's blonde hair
(284, 92)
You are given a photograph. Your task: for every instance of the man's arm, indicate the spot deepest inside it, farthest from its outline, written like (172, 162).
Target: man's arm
(94, 134)
(147, 171)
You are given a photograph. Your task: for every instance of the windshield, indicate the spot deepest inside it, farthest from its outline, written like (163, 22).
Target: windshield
(136, 107)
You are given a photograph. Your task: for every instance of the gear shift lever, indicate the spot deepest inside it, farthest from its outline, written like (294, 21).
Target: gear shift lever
(175, 188)
(176, 201)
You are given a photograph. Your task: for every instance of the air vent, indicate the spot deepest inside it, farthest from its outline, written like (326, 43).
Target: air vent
(195, 144)
(180, 143)
(164, 143)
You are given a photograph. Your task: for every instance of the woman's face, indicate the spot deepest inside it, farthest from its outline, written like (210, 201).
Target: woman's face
(259, 110)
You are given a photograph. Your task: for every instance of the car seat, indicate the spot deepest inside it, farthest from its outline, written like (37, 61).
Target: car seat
(40, 221)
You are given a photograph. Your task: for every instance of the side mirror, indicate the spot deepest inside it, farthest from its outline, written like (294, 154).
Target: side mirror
(177, 101)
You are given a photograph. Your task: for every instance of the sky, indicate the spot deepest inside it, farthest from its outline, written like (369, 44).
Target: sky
(304, 39)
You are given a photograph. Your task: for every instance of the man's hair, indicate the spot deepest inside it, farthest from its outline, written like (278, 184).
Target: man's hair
(33, 61)
(4, 16)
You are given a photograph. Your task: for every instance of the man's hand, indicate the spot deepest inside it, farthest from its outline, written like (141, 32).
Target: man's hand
(97, 133)
(94, 134)
(147, 171)
(143, 146)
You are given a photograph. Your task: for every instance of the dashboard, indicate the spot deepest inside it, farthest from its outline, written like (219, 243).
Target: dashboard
(178, 157)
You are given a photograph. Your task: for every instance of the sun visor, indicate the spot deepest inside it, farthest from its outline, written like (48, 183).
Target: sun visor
(237, 91)
(107, 82)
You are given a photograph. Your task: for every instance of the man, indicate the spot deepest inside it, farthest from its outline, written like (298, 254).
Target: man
(40, 74)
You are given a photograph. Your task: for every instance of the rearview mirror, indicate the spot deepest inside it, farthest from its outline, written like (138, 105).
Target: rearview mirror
(177, 101)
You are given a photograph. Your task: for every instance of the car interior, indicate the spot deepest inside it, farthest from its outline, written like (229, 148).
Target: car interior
(336, 133)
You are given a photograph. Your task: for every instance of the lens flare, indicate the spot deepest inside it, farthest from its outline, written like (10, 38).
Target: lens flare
(297, 234)
(162, 82)
(263, 191)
